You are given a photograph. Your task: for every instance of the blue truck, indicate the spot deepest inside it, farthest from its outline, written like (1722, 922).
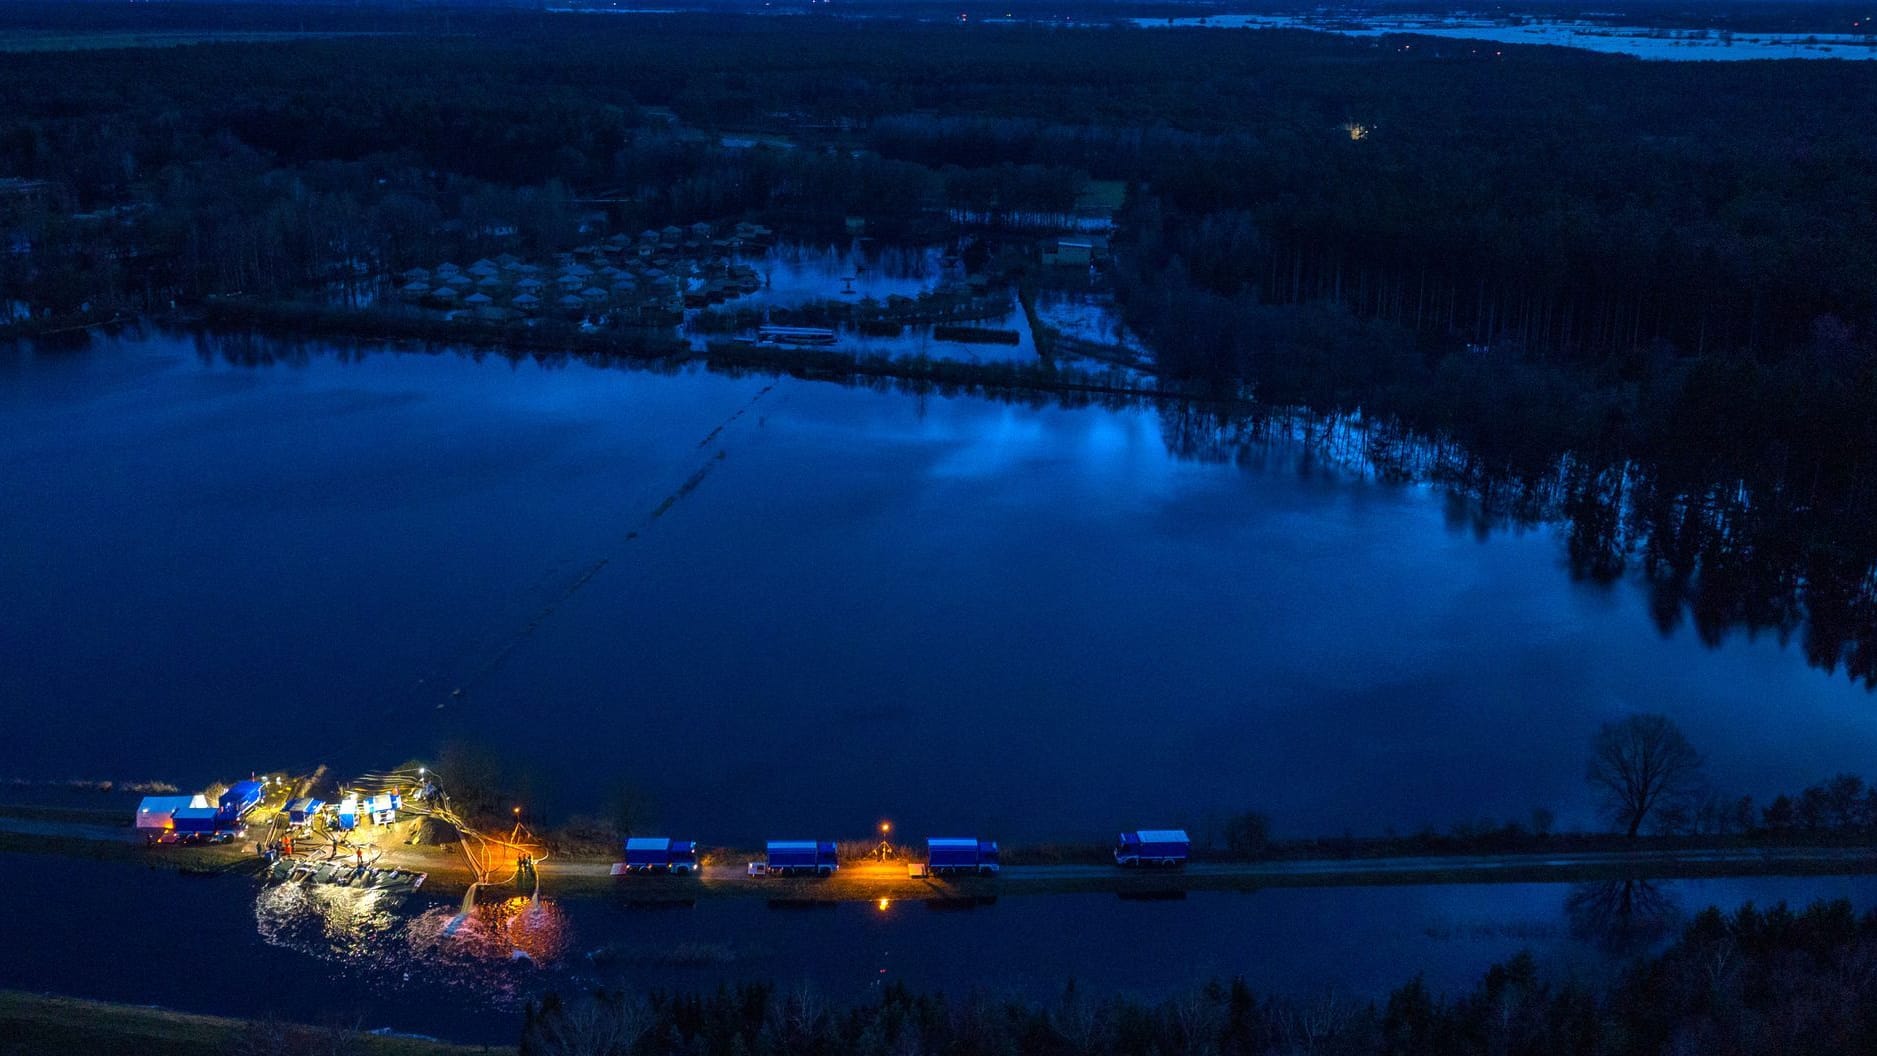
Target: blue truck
(953, 856)
(241, 797)
(1152, 847)
(797, 858)
(200, 825)
(648, 854)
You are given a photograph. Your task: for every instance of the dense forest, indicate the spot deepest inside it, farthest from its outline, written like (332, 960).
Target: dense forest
(1634, 296)
(1775, 981)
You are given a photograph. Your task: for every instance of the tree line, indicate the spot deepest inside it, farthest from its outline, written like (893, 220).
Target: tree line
(1775, 981)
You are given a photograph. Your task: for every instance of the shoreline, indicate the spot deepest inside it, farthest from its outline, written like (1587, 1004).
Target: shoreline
(589, 876)
(653, 348)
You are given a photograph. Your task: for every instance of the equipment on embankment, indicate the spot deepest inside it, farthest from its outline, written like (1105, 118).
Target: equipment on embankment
(1167, 848)
(658, 854)
(240, 798)
(949, 856)
(797, 858)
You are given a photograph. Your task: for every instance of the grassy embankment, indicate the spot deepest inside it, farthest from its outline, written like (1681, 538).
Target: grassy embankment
(38, 1025)
(1570, 858)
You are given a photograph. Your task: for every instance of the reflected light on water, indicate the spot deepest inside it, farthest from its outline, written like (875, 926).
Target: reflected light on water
(496, 948)
(340, 923)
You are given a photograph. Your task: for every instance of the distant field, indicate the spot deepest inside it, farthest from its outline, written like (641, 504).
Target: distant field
(34, 1025)
(35, 40)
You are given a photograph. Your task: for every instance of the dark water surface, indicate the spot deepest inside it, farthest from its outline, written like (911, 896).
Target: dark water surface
(127, 933)
(962, 614)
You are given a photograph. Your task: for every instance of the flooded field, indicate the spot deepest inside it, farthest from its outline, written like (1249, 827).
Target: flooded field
(1023, 621)
(1641, 41)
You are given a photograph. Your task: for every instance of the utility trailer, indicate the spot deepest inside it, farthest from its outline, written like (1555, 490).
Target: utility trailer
(947, 856)
(1166, 848)
(649, 854)
(797, 858)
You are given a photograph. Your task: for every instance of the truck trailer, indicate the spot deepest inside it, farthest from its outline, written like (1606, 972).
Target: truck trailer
(1152, 847)
(240, 798)
(947, 856)
(647, 854)
(797, 858)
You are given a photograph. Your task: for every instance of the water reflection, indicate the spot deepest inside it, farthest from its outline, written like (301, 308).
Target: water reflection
(1623, 917)
(495, 948)
(329, 921)
(1720, 549)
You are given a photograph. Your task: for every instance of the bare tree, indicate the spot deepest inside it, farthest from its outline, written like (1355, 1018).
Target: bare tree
(597, 1024)
(1642, 766)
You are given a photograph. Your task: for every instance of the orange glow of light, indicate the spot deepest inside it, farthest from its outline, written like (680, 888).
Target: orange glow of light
(886, 827)
(883, 903)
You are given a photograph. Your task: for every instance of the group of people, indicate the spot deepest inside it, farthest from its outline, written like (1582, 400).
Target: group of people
(283, 847)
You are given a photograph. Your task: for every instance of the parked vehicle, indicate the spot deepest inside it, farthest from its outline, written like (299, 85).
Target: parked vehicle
(797, 858)
(1168, 848)
(240, 798)
(945, 856)
(198, 820)
(656, 854)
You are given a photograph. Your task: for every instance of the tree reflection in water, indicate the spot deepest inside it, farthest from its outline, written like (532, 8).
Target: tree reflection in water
(1716, 546)
(1621, 916)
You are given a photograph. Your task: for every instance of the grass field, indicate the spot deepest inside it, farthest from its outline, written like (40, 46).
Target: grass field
(36, 1025)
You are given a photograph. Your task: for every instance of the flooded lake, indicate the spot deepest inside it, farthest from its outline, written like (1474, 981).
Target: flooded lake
(315, 954)
(779, 608)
